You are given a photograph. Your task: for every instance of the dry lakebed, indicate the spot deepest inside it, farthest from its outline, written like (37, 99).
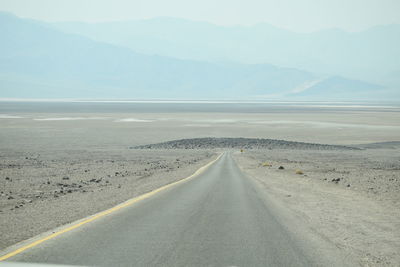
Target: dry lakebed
(336, 177)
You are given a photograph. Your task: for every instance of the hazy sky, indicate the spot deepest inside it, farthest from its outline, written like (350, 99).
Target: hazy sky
(298, 15)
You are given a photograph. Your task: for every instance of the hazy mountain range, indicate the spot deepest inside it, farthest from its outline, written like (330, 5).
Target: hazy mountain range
(372, 54)
(173, 58)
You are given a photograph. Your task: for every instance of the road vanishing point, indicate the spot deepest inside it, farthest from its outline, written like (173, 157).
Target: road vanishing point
(218, 218)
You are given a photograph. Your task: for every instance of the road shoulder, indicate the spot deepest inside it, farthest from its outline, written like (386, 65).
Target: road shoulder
(95, 184)
(339, 223)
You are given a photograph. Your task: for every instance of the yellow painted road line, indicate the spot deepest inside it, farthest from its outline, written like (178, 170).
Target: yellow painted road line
(106, 212)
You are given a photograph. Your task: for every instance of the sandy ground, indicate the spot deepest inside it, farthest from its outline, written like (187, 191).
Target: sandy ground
(359, 213)
(90, 148)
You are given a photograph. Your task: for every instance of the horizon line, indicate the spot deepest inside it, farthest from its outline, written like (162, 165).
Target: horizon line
(196, 101)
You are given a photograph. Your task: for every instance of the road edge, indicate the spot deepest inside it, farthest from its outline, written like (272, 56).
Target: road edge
(22, 246)
(322, 250)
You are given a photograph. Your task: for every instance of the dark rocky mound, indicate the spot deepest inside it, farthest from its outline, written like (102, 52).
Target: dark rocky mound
(240, 143)
(389, 145)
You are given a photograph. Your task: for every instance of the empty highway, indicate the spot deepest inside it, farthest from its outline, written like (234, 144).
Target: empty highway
(218, 218)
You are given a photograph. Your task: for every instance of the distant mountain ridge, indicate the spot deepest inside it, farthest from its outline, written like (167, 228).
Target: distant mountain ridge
(371, 55)
(39, 61)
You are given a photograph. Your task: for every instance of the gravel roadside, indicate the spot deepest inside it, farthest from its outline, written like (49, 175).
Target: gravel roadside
(42, 191)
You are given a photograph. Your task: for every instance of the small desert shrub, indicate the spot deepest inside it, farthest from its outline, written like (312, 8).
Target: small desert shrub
(241, 150)
(266, 164)
(299, 172)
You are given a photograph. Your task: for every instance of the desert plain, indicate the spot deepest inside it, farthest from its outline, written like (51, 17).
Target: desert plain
(63, 161)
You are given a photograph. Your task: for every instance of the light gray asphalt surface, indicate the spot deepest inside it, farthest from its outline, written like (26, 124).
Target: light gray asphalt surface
(216, 219)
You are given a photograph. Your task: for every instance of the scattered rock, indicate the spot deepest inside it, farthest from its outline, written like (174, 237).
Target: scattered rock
(281, 168)
(65, 178)
(348, 185)
(8, 178)
(336, 180)
(10, 197)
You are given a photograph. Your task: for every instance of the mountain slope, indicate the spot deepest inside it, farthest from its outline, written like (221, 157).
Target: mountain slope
(39, 61)
(334, 87)
(369, 55)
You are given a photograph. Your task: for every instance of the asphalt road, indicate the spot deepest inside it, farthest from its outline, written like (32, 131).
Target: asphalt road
(217, 219)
